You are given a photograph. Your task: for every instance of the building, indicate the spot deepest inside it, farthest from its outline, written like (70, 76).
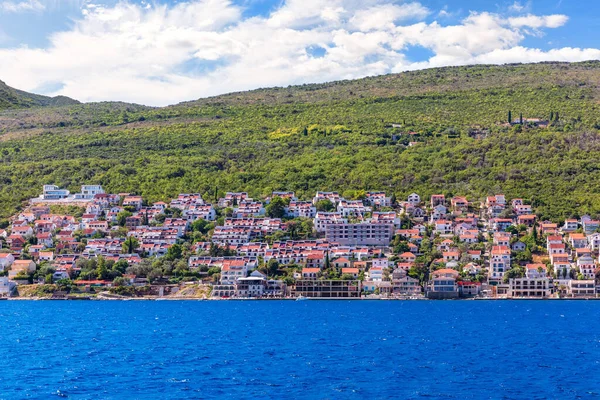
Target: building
(404, 285)
(21, 266)
(366, 234)
(443, 284)
(53, 192)
(583, 288)
(254, 285)
(6, 286)
(327, 288)
(469, 289)
(535, 283)
(499, 262)
(88, 192)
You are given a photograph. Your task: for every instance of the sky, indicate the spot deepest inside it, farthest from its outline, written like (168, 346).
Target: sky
(166, 51)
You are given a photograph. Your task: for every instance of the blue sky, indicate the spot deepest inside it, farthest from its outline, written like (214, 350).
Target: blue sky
(163, 52)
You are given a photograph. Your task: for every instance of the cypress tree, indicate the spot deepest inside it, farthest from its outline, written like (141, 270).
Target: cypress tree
(521, 119)
(556, 116)
(551, 115)
(509, 117)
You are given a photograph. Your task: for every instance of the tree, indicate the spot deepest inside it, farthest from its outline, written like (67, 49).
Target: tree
(292, 229)
(327, 261)
(175, 252)
(122, 217)
(130, 244)
(521, 118)
(102, 270)
(551, 116)
(324, 205)
(516, 272)
(276, 207)
(272, 267)
(119, 281)
(510, 117)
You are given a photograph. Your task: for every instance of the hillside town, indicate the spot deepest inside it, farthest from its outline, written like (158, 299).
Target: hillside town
(94, 244)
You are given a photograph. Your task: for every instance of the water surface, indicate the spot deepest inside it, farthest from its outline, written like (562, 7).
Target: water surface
(308, 350)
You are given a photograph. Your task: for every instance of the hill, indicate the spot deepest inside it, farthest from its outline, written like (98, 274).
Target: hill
(14, 98)
(439, 130)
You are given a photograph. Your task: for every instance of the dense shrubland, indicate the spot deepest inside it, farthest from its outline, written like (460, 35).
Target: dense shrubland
(335, 136)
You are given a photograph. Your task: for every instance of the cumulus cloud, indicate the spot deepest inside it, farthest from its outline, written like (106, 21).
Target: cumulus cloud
(158, 54)
(21, 6)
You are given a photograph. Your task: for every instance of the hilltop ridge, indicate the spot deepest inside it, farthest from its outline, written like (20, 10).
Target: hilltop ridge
(14, 98)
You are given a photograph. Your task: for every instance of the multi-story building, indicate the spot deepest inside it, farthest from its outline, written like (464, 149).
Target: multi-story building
(367, 234)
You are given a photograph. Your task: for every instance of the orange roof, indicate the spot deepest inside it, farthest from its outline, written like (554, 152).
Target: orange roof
(349, 270)
(310, 270)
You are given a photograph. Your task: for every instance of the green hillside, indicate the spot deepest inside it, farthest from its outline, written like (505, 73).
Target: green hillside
(345, 136)
(13, 98)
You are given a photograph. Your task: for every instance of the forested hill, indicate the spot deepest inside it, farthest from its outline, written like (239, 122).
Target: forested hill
(13, 98)
(440, 130)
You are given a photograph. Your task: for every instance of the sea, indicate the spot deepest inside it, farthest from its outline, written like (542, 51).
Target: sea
(300, 349)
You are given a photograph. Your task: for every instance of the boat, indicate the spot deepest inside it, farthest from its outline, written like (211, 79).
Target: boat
(301, 298)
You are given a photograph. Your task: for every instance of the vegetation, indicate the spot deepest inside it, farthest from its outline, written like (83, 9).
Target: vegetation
(344, 136)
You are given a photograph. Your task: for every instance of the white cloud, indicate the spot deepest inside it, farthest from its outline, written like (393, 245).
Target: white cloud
(158, 54)
(516, 7)
(534, 21)
(21, 6)
(385, 15)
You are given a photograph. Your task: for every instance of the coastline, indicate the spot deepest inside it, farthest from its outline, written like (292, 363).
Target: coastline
(103, 298)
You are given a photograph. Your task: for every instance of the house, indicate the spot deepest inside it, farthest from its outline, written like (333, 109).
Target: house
(25, 231)
(474, 255)
(570, 225)
(352, 208)
(46, 256)
(459, 203)
(133, 201)
(587, 266)
(6, 260)
(342, 262)
(499, 262)
(251, 286)
(334, 197)
(6, 286)
(376, 273)
(414, 199)
(407, 257)
(310, 273)
(527, 220)
(590, 226)
(301, 209)
(535, 284)
(437, 199)
(451, 256)
(21, 266)
(443, 284)
(518, 246)
(523, 209)
(443, 227)
(350, 271)
(500, 224)
(501, 238)
(469, 289)
(404, 285)
(53, 192)
(378, 199)
(578, 240)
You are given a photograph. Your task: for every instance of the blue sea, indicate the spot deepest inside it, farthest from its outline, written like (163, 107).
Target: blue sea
(300, 350)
